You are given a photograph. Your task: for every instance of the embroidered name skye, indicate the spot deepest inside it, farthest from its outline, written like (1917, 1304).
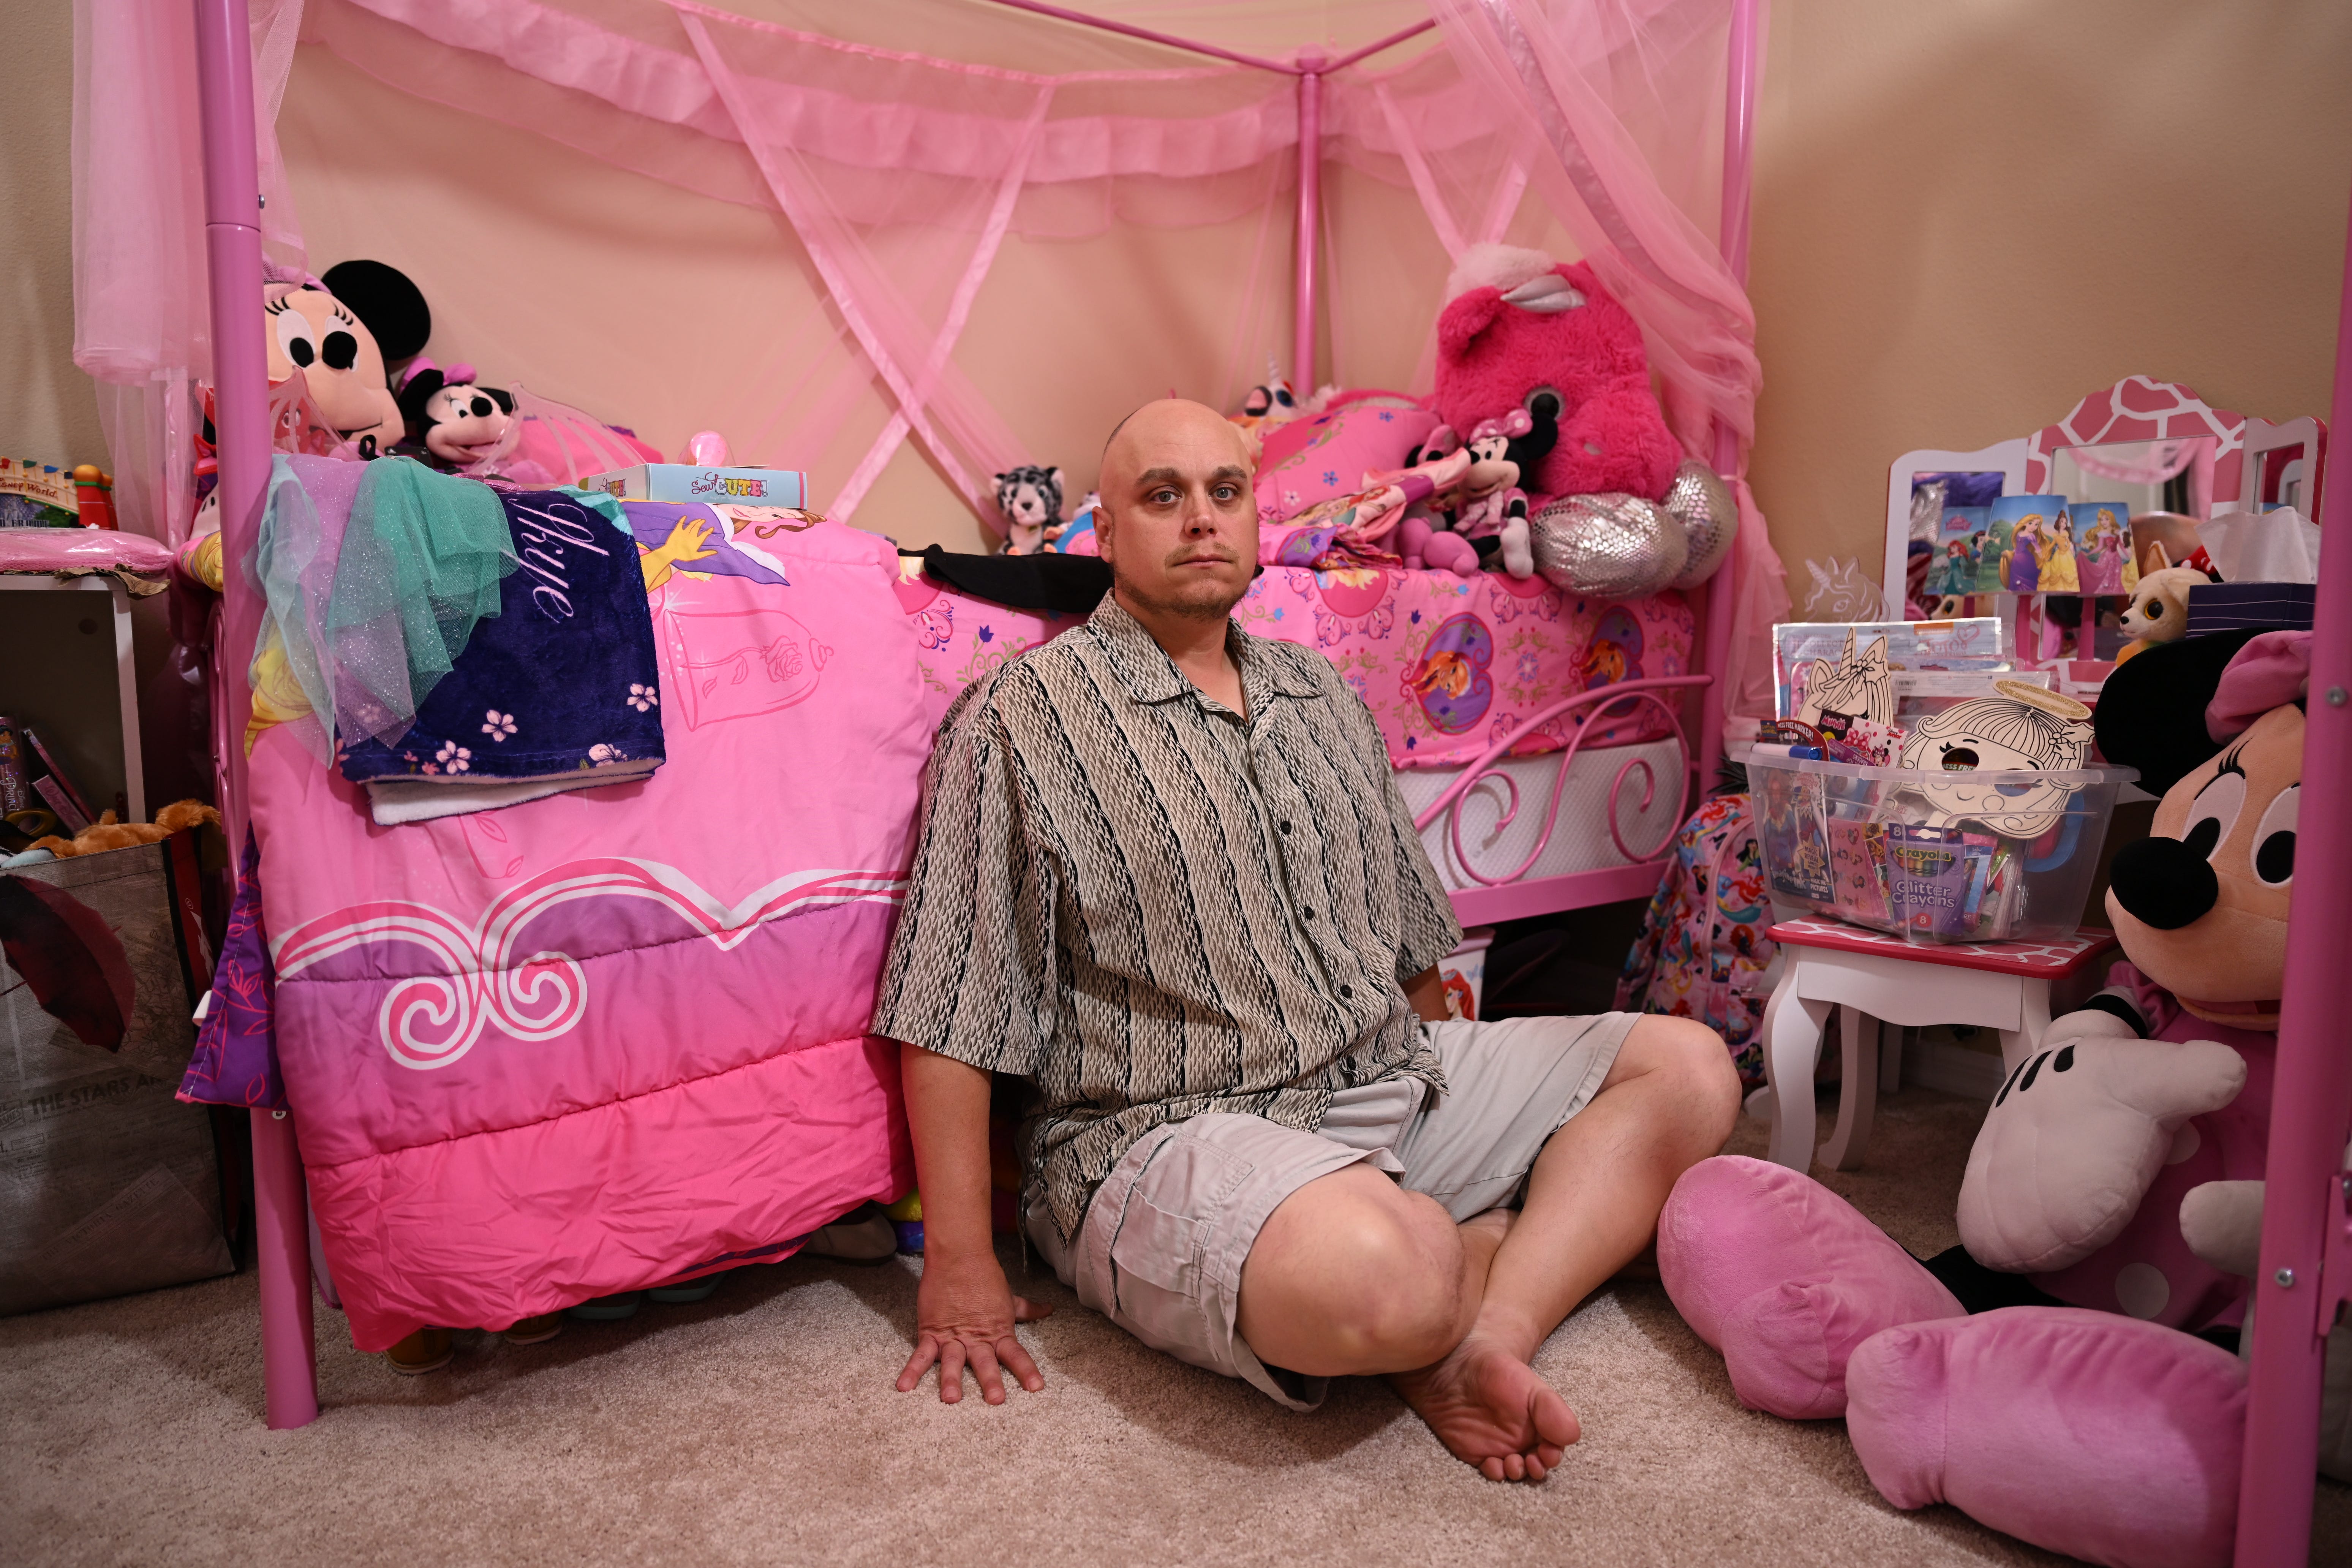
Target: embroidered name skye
(541, 543)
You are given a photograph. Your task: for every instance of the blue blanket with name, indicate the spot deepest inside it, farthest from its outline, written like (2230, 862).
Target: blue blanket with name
(562, 683)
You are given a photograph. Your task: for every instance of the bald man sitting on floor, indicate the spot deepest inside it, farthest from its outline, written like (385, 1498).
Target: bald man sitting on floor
(1166, 876)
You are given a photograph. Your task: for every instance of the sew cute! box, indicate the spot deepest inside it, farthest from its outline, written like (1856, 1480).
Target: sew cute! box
(686, 482)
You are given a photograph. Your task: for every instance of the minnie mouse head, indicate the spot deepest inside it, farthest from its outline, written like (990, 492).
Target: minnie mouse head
(1507, 451)
(312, 333)
(2200, 905)
(457, 423)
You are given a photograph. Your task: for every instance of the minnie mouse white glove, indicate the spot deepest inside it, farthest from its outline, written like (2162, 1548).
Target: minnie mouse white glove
(2074, 1139)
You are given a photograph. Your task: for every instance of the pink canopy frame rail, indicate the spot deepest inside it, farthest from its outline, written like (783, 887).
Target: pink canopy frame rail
(233, 208)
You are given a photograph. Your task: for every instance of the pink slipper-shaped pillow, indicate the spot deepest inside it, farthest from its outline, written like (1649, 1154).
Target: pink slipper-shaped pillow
(1785, 1279)
(2100, 1437)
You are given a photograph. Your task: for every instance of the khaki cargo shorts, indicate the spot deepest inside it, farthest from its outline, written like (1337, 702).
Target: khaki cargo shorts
(1161, 1248)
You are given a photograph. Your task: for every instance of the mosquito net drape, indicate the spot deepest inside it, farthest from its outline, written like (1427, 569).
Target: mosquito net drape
(904, 155)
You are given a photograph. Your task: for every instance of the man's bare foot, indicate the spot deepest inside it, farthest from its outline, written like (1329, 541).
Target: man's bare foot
(1490, 1409)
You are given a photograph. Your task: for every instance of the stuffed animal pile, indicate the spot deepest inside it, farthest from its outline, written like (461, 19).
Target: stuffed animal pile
(1544, 450)
(2066, 1374)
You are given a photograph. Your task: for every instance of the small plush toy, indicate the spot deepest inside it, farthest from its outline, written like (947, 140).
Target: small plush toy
(1494, 520)
(2065, 1374)
(453, 423)
(1485, 509)
(107, 833)
(1516, 326)
(1272, 403)
(2158, 612)
(1030, 499)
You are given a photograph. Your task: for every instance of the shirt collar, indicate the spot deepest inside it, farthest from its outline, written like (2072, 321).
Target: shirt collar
(1150, 676)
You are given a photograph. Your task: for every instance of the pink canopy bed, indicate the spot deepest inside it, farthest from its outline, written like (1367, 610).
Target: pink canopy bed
(1597, 122)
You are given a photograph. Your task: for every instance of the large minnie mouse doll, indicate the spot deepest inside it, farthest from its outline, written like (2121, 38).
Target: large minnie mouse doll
(2066, 1374)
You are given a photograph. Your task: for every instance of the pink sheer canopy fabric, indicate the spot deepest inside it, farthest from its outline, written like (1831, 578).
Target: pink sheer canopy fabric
(1590, 125)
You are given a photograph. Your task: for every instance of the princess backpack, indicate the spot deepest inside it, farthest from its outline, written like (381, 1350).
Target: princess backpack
(1703, 950)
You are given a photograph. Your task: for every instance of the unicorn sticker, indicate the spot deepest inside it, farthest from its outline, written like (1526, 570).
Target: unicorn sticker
(1857, 686)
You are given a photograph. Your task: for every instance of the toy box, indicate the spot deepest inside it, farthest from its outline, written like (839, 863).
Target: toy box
(679, 482)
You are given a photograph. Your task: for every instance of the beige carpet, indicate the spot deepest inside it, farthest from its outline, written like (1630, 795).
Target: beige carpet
(760, 1428)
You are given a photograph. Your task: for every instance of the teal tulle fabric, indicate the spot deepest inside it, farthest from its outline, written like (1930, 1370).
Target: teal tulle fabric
(421, 564)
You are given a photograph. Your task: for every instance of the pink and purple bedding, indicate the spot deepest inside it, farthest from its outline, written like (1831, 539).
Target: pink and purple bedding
(609, 1037)
(1448, 665)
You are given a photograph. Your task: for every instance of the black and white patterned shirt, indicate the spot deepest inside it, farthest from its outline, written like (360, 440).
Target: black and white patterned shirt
(1151, 908)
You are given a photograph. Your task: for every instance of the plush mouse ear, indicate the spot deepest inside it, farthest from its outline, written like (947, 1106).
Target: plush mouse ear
(2151, 711)
(413, 394)
(392, 307)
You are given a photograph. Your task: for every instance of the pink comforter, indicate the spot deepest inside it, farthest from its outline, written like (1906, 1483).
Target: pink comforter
(606, 1039)
(612, 1037)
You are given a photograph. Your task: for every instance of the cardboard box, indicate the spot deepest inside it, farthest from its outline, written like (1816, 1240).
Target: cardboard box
(689, 482)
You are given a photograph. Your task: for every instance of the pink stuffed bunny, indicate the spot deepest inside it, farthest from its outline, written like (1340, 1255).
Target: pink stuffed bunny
(1516, 329)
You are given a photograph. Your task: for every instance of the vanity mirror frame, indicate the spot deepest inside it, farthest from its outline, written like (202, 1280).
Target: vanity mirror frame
(2136, 408)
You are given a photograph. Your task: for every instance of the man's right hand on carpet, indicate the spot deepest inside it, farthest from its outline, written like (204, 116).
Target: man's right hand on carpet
(964, 1313)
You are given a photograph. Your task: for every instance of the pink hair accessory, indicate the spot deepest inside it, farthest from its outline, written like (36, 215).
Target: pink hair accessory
(1517, 422)
(2271, 671)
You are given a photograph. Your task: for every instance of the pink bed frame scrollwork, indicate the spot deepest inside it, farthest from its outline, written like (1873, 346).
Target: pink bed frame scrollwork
(2306, 1253)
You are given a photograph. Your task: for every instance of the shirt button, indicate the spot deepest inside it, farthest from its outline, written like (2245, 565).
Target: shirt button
(1285, 827)
(1346, 992)
(1308, 913)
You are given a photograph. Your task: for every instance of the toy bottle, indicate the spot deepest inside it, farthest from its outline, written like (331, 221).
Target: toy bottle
(94, 492)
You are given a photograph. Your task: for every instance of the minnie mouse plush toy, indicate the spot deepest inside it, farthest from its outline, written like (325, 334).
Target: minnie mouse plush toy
(2065, 1374)
(452, 422)
(1491, 515)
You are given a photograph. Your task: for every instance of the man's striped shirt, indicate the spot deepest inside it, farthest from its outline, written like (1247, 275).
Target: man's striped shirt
(1152, 908)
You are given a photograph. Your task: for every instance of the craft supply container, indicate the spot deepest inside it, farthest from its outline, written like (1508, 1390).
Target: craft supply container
(1978, 856)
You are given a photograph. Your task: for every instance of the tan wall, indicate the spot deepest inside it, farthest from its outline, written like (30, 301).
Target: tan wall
(47, 410)
(1968, 215)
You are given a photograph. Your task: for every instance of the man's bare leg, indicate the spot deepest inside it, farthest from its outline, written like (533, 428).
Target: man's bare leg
(1592, 1207)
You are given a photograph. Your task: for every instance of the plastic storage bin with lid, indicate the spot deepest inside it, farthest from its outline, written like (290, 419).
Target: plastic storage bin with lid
(1953, 853)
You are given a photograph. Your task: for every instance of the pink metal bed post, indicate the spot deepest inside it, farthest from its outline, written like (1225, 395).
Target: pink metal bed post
(1742, 57)
(2307, 1256)
(241, 419)
(1310, 202)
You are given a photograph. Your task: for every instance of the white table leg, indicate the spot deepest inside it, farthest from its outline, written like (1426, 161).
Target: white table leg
(2018, 1044)
(126, 681)
(1792, 1048)
(1857, 1089)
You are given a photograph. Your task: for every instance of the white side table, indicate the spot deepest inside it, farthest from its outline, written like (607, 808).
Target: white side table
(1881, 979)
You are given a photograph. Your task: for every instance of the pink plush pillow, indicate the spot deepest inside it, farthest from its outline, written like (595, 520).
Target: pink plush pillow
(1785, 1279)
(1326, 455)
(2100, 1436)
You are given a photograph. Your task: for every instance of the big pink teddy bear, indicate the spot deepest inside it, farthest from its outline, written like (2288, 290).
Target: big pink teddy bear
(2066, 1374)
(1518, 332)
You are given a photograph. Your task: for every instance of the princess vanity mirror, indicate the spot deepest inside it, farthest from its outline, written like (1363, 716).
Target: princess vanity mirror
(2150, 446)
